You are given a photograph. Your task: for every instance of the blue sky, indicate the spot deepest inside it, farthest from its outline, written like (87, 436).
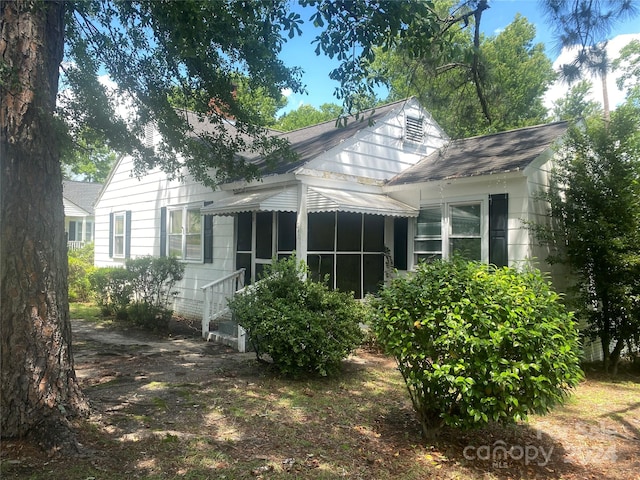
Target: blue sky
(300, 52)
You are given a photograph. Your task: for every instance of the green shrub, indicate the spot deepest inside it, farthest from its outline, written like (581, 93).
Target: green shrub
(112, 289)
(152, 280)
(80, 267)
(477, 344)
(302, 325)
(141, 292)
(79, 285)
(150, 317)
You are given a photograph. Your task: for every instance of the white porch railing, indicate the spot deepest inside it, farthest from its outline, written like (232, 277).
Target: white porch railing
(215, 305)
(75, 244)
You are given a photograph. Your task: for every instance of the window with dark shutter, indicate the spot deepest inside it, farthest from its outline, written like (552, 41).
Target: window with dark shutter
(208, 236)
(163, 231)
(498, 229)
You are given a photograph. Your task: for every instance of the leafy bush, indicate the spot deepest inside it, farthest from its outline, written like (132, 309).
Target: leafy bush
(79, 285)
(112, 289)
(141, 292)
(80, 267)
(302, 325)
(476, 344)
(152, 280)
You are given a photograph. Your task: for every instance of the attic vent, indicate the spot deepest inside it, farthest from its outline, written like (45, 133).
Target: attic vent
(414, 131)
(149, 132)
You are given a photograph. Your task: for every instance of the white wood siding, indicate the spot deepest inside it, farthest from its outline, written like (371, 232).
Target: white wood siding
(380, 152)
(513, 184)
(144, 198)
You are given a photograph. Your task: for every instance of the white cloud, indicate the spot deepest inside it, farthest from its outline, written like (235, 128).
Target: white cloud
(559, 89)
(286, 92)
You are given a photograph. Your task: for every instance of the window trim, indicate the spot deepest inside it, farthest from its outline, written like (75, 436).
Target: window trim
(184, 209)
(115, 235)
(445, 226)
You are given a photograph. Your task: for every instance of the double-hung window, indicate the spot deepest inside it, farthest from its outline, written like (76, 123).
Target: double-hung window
(449, 229)
(184, 233)
(119, 234)
(465, 230)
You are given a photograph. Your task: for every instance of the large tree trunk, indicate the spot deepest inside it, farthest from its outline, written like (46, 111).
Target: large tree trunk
(39, 390)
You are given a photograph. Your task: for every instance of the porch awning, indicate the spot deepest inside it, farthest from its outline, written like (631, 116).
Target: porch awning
(318, 200)
(331, 200)
(281, 200)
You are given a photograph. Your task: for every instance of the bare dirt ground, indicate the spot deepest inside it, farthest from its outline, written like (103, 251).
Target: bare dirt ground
(176, 407)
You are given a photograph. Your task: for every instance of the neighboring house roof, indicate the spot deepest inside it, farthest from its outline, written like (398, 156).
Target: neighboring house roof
(497, 153)
(79, 195)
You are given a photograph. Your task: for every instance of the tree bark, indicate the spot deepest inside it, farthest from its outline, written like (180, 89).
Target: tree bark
(39, 391)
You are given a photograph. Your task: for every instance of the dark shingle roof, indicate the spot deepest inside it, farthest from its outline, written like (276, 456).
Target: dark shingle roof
(82, 194)
(497, 153)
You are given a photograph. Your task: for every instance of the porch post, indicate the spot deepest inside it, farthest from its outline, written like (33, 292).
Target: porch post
(302, 223)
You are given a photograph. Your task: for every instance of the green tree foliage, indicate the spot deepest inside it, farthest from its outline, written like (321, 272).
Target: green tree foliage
(147, 48)
(91, 162)
(575, 105)
(302, 325)
(585, 26)
(515, 73)
(628, 63)
(306, 115)
(477, 344)
(595, 207)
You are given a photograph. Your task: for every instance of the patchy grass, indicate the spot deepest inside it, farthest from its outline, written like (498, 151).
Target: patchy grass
(225, 416)
(86, 311)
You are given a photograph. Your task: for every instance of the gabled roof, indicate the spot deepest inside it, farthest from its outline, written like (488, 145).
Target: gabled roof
(311, 141)
(497, 153)
(81, 194)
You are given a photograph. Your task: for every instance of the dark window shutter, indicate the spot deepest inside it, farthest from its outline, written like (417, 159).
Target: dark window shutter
(400, 239)
(498, 229)
(163, 231)
(208, 236)
(72, 230)
(111, 235)
(127, 234)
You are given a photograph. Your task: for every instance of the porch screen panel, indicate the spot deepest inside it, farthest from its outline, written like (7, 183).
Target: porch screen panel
(243, 242)
(373, 238)
(372, 272)
(320, 266)
(349, 232)
(286, 231)
(347, 274)
(400, 240)
(321, 231)
(264, 235)
(243, 260)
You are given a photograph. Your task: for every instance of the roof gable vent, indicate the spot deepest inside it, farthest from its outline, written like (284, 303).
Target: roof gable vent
(414, 129)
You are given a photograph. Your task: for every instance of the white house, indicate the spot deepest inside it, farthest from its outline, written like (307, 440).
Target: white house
(389, 190)
(78, 199)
